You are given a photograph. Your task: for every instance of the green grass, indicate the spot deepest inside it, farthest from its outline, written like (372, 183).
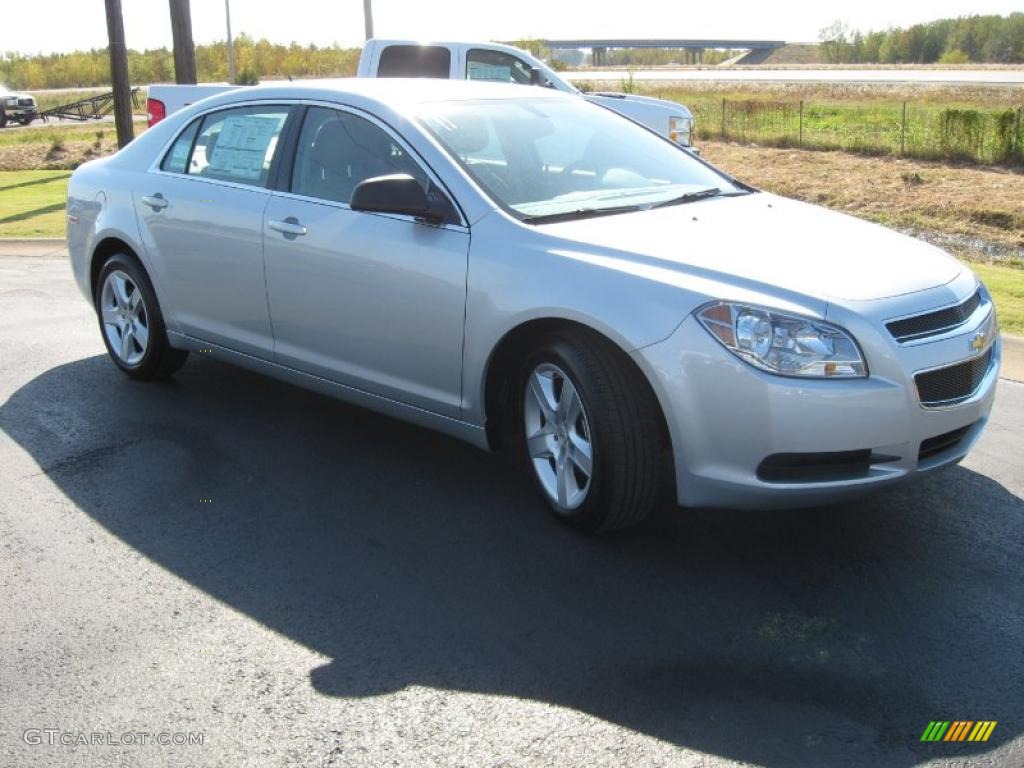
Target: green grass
(32, 203)
(947, 132)
(47, 135)
(1007, 287)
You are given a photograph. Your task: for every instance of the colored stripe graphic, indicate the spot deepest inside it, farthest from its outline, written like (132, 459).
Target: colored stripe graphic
(958, 730)
(935, 730)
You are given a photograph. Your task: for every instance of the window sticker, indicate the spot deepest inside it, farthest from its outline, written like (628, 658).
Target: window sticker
(242, 145)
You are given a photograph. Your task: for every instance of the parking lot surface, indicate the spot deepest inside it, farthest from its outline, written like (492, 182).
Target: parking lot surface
(305, 583)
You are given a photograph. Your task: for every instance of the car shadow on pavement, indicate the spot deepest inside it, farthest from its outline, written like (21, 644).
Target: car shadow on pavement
(814, 637)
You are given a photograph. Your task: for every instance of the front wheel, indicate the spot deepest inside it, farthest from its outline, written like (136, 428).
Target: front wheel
(591, 432)
(130, 321)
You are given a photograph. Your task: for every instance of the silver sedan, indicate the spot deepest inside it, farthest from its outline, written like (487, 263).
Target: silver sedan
(520, 268)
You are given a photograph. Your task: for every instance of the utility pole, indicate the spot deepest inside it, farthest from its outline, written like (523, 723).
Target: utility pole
(368, 17)
(184, 48)
(231, 45)
(119, 74)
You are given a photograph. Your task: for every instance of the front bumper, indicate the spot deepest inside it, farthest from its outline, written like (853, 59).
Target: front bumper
(15, 113)
(727, 418)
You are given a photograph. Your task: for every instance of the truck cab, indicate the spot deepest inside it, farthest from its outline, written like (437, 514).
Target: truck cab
(505, 63)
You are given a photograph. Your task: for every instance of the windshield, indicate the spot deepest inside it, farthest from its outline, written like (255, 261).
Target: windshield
(544, 159)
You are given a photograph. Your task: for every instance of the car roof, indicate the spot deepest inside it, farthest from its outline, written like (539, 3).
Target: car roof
(382, 41)
(396, 93)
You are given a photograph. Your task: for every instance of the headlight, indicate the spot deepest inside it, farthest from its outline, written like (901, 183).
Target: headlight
(680, 130)
(787, 345)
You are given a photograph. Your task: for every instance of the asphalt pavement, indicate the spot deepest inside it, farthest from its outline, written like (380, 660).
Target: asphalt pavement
(299, 582)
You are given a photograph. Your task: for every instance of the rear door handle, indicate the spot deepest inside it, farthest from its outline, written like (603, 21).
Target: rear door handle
(156, 202)
(289, 226)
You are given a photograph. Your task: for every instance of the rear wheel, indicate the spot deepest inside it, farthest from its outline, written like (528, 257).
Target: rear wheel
(130, 321)
(591, 432)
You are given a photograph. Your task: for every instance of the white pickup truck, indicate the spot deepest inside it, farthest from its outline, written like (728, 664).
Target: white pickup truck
(462, 61)
(20, 107)
(504, 63)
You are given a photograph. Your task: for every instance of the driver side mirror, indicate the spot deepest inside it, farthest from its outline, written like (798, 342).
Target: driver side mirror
(396, 193)
(537, 77)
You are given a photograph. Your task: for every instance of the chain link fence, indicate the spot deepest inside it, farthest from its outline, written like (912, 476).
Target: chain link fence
(920, 131)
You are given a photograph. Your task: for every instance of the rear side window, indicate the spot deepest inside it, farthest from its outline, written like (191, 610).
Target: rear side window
(176, 160)
(415, 61)
(238, 144)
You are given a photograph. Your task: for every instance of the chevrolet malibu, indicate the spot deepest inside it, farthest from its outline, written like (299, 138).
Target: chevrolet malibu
(531, 271)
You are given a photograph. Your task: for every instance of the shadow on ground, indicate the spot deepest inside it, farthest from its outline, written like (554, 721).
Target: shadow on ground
(821, 637)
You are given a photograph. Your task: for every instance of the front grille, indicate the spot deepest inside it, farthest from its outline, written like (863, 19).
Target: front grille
(934, 323)
(936, 445)
(954, 384)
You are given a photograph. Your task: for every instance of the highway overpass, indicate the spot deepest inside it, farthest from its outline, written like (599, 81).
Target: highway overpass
(600, 47)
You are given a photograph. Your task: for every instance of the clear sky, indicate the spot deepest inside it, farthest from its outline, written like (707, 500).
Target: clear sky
(33, 26)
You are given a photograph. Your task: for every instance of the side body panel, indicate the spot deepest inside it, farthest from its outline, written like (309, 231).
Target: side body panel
(375, 302)
(208, 240)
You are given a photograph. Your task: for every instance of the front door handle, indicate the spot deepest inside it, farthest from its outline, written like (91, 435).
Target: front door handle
(289, 226)
(156, 202)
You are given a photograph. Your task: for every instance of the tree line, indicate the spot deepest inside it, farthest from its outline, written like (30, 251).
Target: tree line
(255, 59)
(977, 39)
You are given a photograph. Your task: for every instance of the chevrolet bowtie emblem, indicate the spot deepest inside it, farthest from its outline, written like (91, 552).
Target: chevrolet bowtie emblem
(978, 341)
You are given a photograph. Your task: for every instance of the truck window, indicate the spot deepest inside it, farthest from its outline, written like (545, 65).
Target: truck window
(415, 61)
(496, 66)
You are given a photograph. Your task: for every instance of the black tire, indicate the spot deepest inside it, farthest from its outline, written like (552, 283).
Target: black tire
(160, 359)
(624, 424)
(3, 119)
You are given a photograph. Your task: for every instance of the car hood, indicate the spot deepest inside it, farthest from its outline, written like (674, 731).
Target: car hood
(772, 241)
(609, 98)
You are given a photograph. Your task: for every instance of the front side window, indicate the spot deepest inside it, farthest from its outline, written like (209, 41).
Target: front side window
(415, 61)
(562, 157)
(496, 66)
(338, 150)
(238, 144)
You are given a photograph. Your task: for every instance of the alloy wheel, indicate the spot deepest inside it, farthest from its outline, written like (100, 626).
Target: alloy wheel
(125, 317)
(558, 436)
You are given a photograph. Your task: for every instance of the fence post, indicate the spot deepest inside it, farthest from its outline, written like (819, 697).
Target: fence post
(801, 141)
(723, 119)
(903, 131)
(1016, 135)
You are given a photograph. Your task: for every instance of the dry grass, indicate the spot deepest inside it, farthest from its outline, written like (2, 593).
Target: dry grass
(65, 155)
(60, 147)
(977, 212)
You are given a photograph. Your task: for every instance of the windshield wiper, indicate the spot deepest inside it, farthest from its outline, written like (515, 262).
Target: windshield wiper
(690, 197)
(587, 213)
(581, 213)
